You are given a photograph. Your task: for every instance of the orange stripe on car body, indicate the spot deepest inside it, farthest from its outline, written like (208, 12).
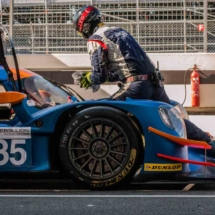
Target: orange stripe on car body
(24, 73)
(181, 141)
(11, 97)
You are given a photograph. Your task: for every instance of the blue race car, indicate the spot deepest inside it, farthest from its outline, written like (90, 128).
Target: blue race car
(46, 126)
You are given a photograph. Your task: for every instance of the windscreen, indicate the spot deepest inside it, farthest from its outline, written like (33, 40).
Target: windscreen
(43, 92)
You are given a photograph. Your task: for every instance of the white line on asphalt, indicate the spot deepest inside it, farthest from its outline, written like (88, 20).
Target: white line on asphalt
(107, 196)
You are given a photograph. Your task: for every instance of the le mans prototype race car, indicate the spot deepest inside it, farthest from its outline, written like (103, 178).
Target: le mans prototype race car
(46, 126)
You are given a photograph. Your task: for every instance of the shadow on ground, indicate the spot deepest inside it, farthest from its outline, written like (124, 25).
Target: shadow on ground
(50, 185)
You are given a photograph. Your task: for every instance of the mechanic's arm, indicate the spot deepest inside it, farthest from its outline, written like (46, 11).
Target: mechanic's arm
(113, 76)
(99, 61)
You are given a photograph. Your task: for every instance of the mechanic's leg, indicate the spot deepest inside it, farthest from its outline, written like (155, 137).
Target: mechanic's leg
(122, 96)
(160, 95)
(195, 133)
(137, 90)
(211, 152)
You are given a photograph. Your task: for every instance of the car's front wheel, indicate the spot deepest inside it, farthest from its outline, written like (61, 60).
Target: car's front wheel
(100, 147)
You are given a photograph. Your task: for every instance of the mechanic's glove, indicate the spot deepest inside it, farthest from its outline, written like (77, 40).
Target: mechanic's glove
(85, 80)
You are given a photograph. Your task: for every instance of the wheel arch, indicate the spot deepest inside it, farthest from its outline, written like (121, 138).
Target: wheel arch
(66, 116)
(79, 165)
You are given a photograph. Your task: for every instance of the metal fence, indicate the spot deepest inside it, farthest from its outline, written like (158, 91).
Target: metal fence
(44, 26)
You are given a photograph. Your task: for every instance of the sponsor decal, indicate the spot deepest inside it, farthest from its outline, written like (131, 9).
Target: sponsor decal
(15, 133)
(162, 167)
(15, 146)
(120, 176)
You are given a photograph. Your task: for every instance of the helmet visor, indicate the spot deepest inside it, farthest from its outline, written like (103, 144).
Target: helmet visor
(85, 30)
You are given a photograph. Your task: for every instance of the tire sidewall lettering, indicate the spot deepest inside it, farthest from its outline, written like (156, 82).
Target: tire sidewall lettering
(66, 136)
(120, 176)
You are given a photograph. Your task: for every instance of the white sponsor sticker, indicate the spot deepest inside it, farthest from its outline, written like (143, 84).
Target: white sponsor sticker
(15, 133)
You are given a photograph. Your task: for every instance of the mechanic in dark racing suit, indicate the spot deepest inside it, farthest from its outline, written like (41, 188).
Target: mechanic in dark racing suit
(116, 56)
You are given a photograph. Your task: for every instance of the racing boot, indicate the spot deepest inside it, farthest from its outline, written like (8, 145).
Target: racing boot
(211, 152)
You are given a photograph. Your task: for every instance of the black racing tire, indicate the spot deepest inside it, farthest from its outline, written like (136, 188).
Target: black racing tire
(101, 148)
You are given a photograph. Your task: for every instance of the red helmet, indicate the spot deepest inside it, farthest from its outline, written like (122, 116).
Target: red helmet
(86, 20)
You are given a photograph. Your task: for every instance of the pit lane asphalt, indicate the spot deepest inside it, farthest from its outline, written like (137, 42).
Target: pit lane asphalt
(64, 198)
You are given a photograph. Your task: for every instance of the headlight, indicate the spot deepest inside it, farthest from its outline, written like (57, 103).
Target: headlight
(172, 118)
(182, 110)
(165, 117)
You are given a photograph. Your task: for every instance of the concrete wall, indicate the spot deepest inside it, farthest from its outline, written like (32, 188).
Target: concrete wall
(167, 61)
